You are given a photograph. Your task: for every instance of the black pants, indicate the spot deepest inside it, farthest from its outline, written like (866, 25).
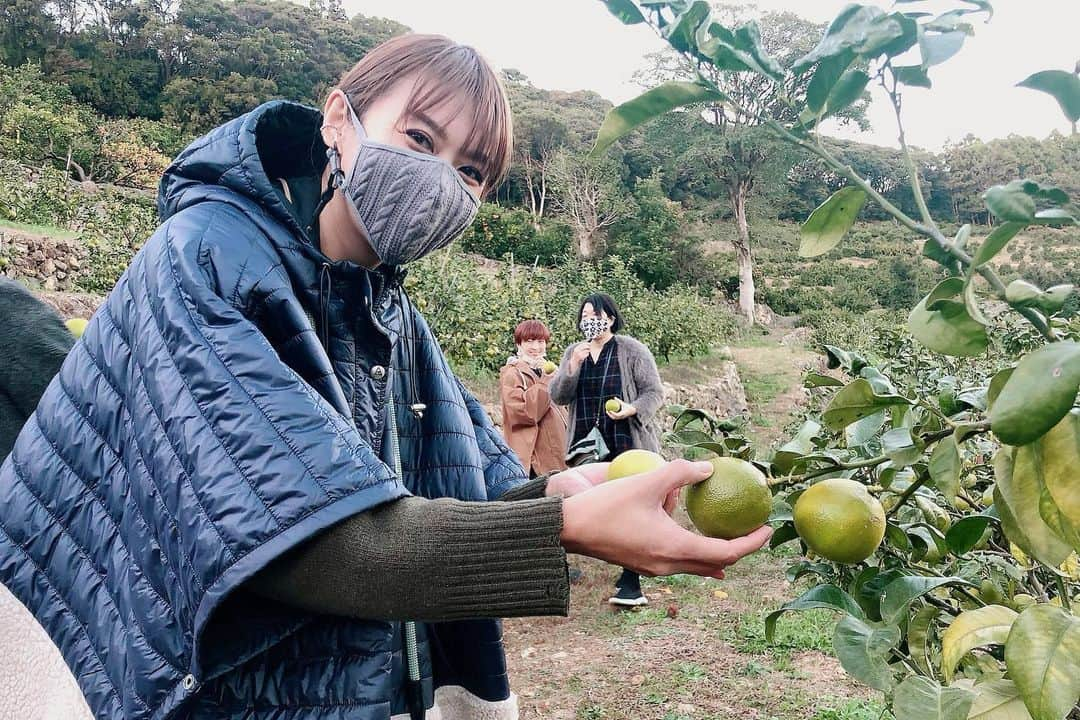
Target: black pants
(629, 580)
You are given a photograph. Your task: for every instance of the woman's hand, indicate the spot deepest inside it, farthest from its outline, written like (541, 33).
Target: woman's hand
(625, 522)
(578, 355)
(625, 410)
(576, 480)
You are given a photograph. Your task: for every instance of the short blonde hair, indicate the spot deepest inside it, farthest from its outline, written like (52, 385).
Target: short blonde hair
(446, 72)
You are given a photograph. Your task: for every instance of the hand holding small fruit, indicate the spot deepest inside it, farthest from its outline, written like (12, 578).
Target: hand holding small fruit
(549, 367)
(578, 355)
(625, 523)
(616, 409)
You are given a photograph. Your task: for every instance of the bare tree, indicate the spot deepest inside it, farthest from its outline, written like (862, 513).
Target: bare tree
(588, 193)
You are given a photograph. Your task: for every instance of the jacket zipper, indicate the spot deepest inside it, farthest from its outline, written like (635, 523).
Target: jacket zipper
(412, 655)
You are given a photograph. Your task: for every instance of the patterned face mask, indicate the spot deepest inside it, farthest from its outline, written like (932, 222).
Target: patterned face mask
(408, 203)
(593, 327)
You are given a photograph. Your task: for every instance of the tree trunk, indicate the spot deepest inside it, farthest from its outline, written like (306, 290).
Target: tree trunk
(585, 244)
(743, 258)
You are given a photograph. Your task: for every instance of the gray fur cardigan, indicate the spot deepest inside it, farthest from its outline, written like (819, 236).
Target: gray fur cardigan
(641, 388)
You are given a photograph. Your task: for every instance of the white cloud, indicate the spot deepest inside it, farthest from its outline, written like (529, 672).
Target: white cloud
(577, 44)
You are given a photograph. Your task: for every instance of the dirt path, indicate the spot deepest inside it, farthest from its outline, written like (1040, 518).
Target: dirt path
(772, 376)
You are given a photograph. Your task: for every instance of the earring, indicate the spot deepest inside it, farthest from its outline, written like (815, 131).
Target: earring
(337, 176)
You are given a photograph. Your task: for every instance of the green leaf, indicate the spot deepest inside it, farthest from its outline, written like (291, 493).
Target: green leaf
(1001, 377)
(998, 700)
(890, 35)
(625, 11)
(962, 236)
(966, 430)
(1063, 86)
(863, 431)
(900, 593)
(919, 698)
(853, 362)
(847, 29)
(937, 47)
(971, 303)
(924, 537)
(855, 401)
(882, 385)
(863, 650)
(823, 596)
(1010, 204)
(1037, 395)
(802, 444)
(682, 32)
(941, 256)
(748, 39)
(805, 567)
(988, 625)
(897, 537)
(783, 534)
(1016, 498)
(902, 447)
(847, 90)
(1043, 657)
(1056, 520)
(918, 636)
(1022, 294)
(966, 532)
(1056, 217)
(945, 468)
(825, 77)
(814, 380)
(995, 241)
(1057, 456)
(1047, 193)
(652, 104)
(981, 6)
(913, 75)
(828, 224)
(944, 325)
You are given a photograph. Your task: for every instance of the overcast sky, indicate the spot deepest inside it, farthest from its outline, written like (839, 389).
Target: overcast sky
(577, 44)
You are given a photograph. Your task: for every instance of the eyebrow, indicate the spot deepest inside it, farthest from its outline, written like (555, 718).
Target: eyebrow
(473, 157)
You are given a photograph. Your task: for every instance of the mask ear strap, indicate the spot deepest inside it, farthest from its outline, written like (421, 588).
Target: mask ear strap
(335, 182)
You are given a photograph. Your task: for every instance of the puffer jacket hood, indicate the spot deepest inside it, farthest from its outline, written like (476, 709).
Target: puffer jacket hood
(229, 400)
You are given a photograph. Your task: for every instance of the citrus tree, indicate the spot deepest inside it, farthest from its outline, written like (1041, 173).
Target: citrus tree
(953, 460)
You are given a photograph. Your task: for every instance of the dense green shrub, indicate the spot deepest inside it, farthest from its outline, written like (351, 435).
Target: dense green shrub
(113, 224)
(41, 124)
(474, 313)
(500, 233)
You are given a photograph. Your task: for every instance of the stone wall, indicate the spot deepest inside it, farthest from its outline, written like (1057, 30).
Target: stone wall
(50, 263)
(722, 396)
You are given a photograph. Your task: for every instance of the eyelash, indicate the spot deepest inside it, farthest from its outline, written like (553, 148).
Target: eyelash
(421, 139)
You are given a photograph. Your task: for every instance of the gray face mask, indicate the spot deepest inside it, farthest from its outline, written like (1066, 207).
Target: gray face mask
(408, 204)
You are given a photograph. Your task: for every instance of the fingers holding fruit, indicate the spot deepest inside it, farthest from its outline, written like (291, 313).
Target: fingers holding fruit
(616, 409)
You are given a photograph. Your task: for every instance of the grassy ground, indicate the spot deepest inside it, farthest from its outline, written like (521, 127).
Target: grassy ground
(696, 652)
(37, 230)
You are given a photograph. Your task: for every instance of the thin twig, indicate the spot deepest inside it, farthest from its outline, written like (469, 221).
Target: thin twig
(1063, 593)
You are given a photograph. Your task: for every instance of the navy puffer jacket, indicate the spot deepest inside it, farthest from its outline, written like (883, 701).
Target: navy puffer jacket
(229, 400)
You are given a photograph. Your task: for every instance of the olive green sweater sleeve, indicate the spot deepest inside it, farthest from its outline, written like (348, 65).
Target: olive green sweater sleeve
(432, 560)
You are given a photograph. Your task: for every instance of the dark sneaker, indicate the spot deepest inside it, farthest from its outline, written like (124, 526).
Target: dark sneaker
(628, 598)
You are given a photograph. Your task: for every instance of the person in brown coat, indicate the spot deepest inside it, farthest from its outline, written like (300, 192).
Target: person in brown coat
(535, 428)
